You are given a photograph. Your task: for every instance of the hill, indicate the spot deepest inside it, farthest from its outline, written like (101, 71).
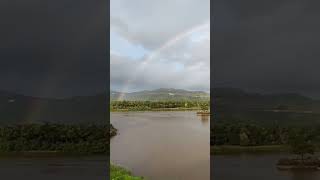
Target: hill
(18, 109)
(284, 109)
(161, 94)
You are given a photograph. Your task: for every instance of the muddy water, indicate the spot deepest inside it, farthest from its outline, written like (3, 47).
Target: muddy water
(256, 167)
(162, 145)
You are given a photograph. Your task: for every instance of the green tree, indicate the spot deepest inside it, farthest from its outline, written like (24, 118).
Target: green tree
(244, 138)
(300, 144)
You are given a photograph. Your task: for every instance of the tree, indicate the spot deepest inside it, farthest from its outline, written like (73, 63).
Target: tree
(244, 138)
(301, 145)
(204, 106)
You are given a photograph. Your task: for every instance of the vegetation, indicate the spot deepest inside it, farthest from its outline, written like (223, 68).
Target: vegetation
(158, 105)
(113, 131)
(301, 144)
(204, 106)
(90, 139)
(299, 140)
(119, 173)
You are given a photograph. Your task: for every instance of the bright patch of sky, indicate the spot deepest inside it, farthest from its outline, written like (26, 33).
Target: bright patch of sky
(123, 47)
(199, 36)
(178, 66)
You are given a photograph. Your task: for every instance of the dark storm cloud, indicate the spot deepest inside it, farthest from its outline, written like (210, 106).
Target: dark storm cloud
(267, 46)
(54, 47)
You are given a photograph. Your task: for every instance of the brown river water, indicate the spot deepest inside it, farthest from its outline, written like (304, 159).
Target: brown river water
(256, 167)
(162, 145)
(54, 168)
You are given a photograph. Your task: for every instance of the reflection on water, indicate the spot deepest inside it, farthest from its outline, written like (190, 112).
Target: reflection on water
(253, 167)
(204, 119)
(53, 168)
(162, 145)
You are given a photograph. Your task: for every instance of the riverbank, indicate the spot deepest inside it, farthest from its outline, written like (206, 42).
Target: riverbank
(155, 110)
(119, 173)
(311, 163)
(47, 154)
(113, 131)
(229, 149)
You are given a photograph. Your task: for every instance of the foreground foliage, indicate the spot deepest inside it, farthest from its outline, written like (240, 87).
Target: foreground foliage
(88, 139)
(119, 173)
(113, 131)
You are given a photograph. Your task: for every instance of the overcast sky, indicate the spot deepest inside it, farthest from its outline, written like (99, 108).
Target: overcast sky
(267, 46)
(53, 47)
(160, 44)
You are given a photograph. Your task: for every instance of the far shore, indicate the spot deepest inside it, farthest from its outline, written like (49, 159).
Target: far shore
(156, 110)
(236, 149)
(45, 154)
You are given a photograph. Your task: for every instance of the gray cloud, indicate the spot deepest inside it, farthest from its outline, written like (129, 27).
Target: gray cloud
(179, 52)
(267, 47)
(151, 23)
(53, 48)
(180, 66)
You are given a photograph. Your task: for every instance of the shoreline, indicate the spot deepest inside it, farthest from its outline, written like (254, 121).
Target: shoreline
(156, 110)
(310, 163)
(47, 154)
(235, 149)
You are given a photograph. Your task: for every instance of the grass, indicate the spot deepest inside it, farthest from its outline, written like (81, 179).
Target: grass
(221, 150)
(119, 173)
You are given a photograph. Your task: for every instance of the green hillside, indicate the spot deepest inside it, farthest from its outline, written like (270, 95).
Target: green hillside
(161, 94)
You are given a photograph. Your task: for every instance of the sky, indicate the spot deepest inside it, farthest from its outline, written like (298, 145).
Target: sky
(159, 44)
(267, 46)
(54, 48)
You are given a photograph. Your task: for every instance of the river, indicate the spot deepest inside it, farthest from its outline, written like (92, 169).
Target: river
(54, 168)
(256, 167)
(162, 145)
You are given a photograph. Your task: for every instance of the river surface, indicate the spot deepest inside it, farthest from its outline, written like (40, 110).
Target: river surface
(256, 167)
(53, 168)
(162, 145)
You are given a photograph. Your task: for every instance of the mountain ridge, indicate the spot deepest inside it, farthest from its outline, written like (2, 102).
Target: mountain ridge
(285, 109)
(160, 94)
(19, 109)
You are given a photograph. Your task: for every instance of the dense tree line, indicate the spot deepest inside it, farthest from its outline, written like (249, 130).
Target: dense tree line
(247, 134)
(54, 137)
(150, 105)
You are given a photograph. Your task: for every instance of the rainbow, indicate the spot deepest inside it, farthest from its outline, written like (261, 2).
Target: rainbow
(158, 51)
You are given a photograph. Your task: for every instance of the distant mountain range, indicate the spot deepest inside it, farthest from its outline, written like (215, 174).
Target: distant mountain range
(285, 108)
(248, 100)
(162, 94)
(17, 109)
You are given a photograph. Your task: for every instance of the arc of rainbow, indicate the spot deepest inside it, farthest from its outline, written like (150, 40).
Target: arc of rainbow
(156, 52)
